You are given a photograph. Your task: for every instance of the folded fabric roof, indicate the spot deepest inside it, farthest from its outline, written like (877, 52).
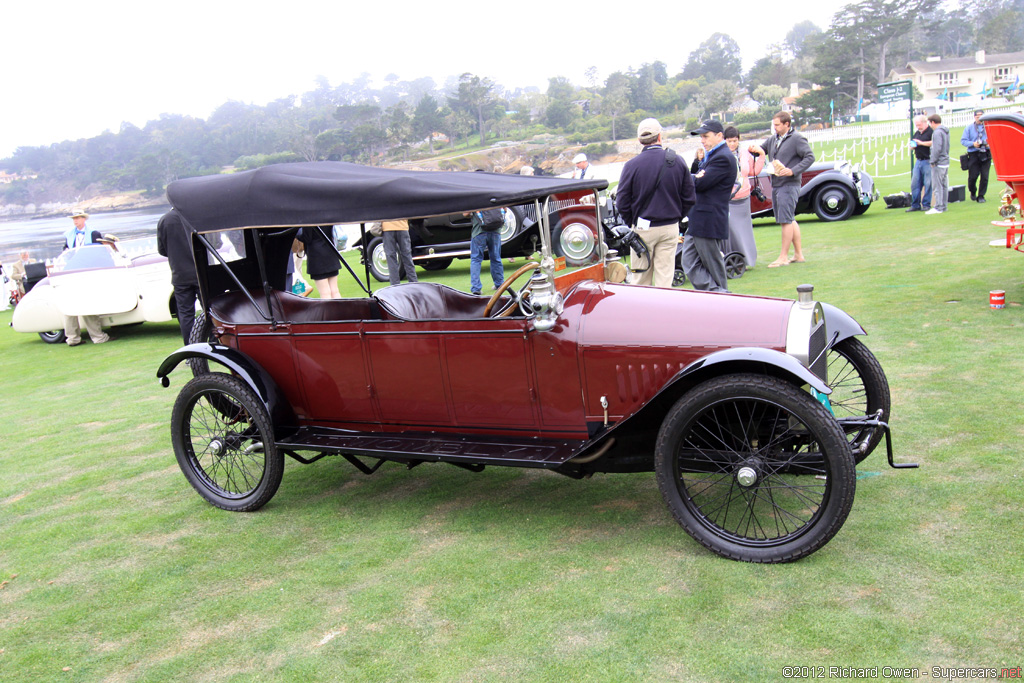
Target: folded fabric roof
(331, 192)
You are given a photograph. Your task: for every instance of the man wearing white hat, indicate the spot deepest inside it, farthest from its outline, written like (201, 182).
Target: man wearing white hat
(80, 234)
(583, 169)
(77, 237)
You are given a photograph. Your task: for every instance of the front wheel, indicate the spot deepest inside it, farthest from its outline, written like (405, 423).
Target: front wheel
(224, 443)
(735, 265)
(755, 469)
(859, 389)
(834, 202)
(54, 337)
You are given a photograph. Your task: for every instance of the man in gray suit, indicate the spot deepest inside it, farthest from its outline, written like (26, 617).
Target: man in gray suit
(788, 156)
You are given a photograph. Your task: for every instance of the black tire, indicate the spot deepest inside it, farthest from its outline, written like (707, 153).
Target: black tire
(202, 331)
(678, 277)
(834, 202)
(859, 388)
(755, 469)
(54, 337)
(861, 208)
(224, 443)
(576, 238)
(735, 266)
(435, 264)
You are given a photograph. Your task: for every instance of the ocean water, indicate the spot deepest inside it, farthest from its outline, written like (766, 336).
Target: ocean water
(44, 237)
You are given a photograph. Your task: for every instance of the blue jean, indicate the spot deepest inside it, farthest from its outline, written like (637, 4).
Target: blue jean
(921, 185)
(491, 243)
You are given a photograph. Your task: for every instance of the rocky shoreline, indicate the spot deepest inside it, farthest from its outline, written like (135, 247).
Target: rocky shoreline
(100, 204)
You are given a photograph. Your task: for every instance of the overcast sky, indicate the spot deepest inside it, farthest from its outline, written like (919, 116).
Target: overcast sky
(75, 70)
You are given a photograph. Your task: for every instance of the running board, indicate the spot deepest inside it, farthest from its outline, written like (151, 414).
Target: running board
(475, 449)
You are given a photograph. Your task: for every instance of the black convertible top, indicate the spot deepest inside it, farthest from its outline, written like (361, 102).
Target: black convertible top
(330, 192)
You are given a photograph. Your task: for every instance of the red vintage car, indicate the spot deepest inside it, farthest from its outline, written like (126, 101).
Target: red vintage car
(751, 411)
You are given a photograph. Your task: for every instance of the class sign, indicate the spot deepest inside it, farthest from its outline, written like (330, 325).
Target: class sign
(893, 92)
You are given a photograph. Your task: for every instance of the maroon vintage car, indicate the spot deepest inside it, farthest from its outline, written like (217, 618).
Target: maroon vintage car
(726, 398)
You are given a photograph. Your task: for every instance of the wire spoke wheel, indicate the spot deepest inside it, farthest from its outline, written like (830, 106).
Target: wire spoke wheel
(755, 469)
(224, 443)
(859, 388)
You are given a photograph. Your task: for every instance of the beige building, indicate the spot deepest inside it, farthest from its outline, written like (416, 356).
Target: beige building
(964, 76)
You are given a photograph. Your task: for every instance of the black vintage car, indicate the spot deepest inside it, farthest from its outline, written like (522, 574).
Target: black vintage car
(438, 240)
(832, 190)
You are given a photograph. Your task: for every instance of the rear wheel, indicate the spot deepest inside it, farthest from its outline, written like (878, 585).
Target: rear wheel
(224, 443)
(859, 388)
(755, 469)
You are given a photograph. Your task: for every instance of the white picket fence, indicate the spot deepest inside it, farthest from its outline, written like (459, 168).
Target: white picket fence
(864, 141)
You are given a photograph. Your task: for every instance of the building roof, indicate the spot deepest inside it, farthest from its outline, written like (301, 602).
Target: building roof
(958, 63)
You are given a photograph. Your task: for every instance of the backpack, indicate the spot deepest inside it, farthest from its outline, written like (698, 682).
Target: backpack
(493, 219)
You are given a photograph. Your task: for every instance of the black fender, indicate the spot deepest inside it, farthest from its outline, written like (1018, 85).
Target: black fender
(245, 368)
(840, 324)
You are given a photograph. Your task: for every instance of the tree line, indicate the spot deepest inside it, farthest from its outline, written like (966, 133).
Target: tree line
(360, 122)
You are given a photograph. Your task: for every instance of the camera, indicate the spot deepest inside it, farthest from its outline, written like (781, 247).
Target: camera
(758, 193)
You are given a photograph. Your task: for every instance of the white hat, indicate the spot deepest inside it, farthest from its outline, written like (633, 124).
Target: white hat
(648, 131)
(579, 157)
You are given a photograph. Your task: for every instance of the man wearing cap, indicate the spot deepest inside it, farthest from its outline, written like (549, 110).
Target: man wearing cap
(708, 226)
(788, 156)
(583, 169)
(80, 234)
(655, 192)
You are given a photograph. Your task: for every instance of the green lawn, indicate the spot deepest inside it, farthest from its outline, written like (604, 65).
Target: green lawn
(113, 569)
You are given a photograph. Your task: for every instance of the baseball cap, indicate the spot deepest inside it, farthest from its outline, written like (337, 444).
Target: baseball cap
(709, 126)
(648, 130)
(579, 157)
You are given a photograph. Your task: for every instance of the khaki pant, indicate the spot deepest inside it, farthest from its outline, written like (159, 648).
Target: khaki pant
(661, 241)
(73, 330)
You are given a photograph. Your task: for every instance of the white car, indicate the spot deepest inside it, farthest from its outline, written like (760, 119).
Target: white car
(99, 280)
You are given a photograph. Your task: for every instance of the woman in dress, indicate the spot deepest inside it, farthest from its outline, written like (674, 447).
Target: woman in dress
(322, 260)
(741, 228)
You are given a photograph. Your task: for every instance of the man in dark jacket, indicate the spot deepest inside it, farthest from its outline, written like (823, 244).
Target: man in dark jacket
(655, 192)
(788, 156)
(173, 242)
(709, 221)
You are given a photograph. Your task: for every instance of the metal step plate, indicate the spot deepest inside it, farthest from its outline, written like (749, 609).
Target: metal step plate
(486, 450)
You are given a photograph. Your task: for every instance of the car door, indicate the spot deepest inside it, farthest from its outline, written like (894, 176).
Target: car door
(448, 374)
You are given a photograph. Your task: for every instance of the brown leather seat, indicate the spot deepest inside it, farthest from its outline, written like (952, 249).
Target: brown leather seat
(430, 301)
(237, 308)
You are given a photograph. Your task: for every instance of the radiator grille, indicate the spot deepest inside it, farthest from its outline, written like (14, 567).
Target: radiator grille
(816, 352)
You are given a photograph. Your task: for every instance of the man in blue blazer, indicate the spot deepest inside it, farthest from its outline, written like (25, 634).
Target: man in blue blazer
(708, 227)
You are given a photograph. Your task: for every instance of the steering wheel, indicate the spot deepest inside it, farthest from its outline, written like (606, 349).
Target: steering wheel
(516, 297)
